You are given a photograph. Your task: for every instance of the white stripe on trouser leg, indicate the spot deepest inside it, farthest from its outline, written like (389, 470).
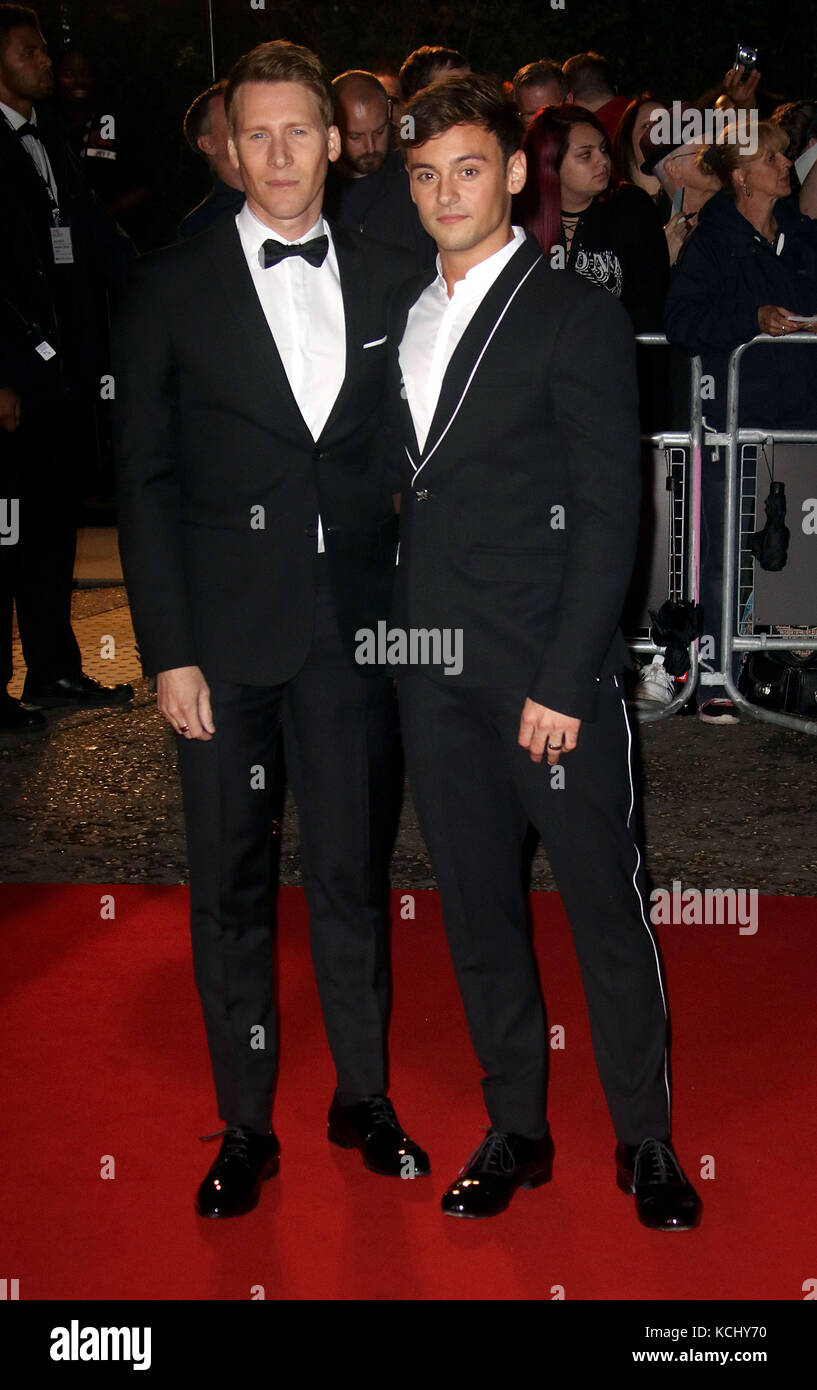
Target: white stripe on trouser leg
(636, 887)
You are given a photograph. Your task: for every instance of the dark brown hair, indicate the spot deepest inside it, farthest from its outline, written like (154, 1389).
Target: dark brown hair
(470, 100)
(624, 157)
(282, 61)
(589, 75)
(197, 115)
(799, 120)
(15, 17)
(424, 64)
(539, 74)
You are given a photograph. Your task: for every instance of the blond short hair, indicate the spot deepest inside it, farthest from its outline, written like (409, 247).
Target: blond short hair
(282, 61)
(725, 156)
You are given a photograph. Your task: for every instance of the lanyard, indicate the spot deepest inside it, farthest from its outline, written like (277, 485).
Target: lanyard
(42, 172)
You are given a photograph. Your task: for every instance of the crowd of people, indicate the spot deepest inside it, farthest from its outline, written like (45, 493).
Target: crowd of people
(710, 241)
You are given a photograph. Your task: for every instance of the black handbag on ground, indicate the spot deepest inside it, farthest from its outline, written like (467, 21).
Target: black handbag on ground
(780, 680)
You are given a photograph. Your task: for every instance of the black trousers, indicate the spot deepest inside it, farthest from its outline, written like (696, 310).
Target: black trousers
(340, 742)
(40, 469)
(475, 791)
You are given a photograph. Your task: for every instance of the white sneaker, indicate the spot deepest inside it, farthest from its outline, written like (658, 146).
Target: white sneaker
(655, 683)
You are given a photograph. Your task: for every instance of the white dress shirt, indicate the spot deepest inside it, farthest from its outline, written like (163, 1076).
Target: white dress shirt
(34, 147)
(434, 327)
(303, 306)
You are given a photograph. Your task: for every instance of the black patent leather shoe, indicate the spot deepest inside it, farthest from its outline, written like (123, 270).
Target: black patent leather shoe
(233, 1184)
(501, 1164)
(17, 720)
(664, 1199)
(373, 1127)
(77, 692)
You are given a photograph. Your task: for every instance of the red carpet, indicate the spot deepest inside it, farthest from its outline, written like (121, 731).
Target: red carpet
(104, 1055)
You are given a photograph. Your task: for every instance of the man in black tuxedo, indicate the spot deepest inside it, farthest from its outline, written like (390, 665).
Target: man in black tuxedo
(206, 132)
(59, 252)
(257, 534)
(514, 401)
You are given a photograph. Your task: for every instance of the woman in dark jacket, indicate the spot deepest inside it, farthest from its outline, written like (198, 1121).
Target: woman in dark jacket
(612, 237)
(749, 267)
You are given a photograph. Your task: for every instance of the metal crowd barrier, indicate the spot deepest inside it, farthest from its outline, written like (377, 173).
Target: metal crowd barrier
(733, 439)
(684, 532)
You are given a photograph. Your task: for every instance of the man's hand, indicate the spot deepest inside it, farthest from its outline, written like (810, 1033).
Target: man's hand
(183, 697)
(9, 409)
(741, 89)
(543, 730)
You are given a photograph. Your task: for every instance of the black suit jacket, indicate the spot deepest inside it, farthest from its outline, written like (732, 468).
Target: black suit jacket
(538, 412)
(219, 480)
(64, 304)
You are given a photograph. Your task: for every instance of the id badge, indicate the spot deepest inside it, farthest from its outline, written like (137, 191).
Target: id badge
(61, 246)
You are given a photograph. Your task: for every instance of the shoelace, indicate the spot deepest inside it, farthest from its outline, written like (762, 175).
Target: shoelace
(493, 1155)
(237, 1141)
(656, 1163)
(382, 1111)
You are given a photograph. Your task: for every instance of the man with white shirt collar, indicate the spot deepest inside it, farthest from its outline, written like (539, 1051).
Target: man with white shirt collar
(258, 534)
(59, 254)
(514, 403)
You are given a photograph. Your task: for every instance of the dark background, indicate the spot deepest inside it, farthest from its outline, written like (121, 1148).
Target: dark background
(153, 56)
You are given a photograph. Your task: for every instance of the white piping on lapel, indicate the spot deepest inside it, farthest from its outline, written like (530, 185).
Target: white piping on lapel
(511, 298)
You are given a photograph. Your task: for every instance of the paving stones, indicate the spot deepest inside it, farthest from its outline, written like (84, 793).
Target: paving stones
(95, 797)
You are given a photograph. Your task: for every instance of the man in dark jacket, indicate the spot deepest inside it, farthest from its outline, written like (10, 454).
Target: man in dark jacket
(513, 403)
(58, 251)
(205, 130)
(258, 534)
(368, 190)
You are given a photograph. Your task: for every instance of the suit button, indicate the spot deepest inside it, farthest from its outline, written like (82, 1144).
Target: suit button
(421, 494)
(310, 531)
(318, 454)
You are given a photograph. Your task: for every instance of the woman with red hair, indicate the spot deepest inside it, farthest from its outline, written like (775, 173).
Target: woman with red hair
(612, 236)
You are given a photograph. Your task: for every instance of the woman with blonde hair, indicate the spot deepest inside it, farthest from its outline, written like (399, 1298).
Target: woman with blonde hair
(749, 267)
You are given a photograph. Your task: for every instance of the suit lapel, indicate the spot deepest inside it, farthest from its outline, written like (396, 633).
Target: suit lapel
(468, 352)
(352, 287)
(397, 327)
(20, 161)
(228, 256)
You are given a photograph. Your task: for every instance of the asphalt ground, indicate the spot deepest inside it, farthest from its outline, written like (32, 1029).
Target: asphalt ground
(95, 797)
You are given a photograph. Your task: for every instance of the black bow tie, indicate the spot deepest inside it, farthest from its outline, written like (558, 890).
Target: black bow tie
(29, 129)
(313, 251)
